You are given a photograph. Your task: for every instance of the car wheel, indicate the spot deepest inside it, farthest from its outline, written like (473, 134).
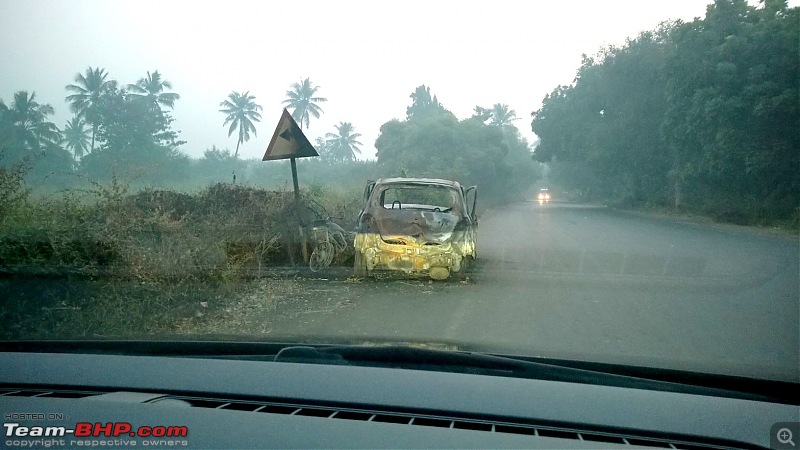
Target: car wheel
(467, 264)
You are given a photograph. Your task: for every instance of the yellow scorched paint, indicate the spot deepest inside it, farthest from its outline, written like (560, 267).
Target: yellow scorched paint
(411, 255)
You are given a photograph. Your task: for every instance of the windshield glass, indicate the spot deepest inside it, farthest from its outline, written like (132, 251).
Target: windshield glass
(420, 197)
(215, 171)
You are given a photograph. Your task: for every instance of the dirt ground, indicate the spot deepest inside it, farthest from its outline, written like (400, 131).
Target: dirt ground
(267, 305)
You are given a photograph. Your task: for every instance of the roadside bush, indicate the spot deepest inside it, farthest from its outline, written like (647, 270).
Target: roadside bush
(13, 193)
(167, 234)
(110, 262)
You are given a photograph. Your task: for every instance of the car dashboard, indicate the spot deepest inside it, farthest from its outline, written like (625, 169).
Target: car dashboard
(234, 403)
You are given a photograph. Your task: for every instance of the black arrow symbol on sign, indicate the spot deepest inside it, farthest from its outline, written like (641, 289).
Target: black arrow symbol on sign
(287, 134)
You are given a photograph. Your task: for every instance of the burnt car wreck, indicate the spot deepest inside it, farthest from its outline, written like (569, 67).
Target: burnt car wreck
(416, 226)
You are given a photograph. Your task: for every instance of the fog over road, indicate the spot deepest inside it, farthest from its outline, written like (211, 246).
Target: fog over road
(593, 283)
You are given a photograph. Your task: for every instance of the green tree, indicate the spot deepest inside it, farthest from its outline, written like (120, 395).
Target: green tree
(481, 114)
(76, 137)
(218, 154)
(30, 142)
(7, 132)
(700, 115)
(432, 142)
(423, 104)
(502, 116)
(301, 99)
(343, 145)
(603, 131)
(86, 91)
(136, 140)
(241, 111)
(217, 166)
(128, 124)
(12, 174)
(732, 118)
(152, 88)
(31, 130)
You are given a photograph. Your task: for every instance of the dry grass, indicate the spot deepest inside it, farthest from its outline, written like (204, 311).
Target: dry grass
(106, 262)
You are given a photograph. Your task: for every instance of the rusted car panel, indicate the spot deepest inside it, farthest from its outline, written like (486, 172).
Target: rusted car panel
(416, 225)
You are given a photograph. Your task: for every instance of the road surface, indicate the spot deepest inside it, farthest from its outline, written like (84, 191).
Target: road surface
(591, 283)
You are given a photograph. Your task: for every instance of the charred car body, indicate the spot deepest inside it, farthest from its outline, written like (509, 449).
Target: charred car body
(416, 225)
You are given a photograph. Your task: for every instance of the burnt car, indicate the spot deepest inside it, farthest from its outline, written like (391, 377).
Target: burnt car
(416, 226)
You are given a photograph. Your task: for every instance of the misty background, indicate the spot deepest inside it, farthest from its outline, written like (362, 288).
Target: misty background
(366, 57)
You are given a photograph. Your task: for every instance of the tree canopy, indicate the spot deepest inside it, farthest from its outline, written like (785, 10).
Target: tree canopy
(152, 88)
(136, 139)
(29, 141)
(302, 99)
(432, 142)
(241, 111)
(344, 144)
(76, 137)
(86, 94)
(700, 115)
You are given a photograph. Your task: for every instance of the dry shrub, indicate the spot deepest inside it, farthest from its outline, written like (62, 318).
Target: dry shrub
(116, 263)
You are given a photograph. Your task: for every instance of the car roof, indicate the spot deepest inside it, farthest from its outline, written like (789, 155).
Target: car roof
(428, 181)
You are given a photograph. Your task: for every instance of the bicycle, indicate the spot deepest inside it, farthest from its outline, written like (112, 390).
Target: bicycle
(329, 239)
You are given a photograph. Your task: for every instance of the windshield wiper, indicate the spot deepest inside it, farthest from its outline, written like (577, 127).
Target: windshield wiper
(405, 357)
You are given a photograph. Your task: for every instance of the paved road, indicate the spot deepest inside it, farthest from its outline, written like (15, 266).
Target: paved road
(587, 282)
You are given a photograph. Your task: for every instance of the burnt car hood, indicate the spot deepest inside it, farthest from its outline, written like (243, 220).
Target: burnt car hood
(425, 227)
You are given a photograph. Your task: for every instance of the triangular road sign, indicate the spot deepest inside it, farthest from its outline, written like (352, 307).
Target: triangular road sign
(288, 141)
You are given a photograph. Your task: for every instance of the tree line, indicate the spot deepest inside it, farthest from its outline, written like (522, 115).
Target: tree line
(485, 149)
(699, 115)
(128, 129)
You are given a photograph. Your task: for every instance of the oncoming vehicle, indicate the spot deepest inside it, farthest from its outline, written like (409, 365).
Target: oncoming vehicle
(416, 225)
(544, 195)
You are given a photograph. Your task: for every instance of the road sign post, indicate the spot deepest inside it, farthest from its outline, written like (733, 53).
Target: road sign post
(298, 208)
(289, 142)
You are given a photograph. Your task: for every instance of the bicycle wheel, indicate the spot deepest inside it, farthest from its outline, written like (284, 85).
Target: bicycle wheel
(339, 240)
(321, 257)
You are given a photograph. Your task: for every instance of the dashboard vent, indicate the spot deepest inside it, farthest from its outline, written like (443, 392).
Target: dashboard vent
(425, 420)
(44, 393)
(633, 439)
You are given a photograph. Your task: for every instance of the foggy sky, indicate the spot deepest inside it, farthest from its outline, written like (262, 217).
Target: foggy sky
(366, 56)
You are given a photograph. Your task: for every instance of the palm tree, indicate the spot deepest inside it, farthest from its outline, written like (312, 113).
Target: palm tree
(502, 116)
(302, 101)
(29, 118)
(7, 131)
(344, 145)
(152, 87)
(76, 137)
(86, 94)
(241, 112)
